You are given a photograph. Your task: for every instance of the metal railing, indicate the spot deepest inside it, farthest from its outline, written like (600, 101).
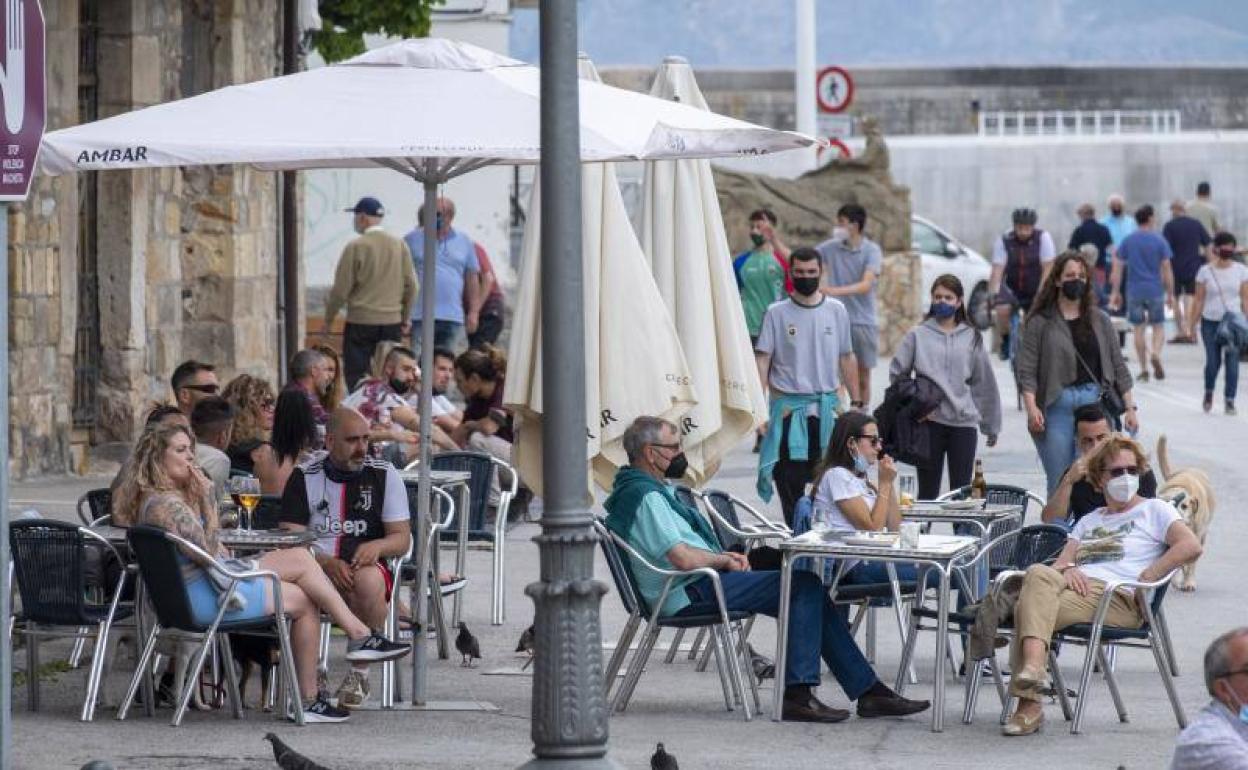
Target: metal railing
(1078, 122)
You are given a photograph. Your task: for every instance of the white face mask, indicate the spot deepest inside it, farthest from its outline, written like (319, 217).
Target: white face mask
(1122, 488)
(839, 233)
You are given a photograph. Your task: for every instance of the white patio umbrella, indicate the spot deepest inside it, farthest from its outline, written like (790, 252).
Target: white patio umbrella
(431, 109)
(683, 236)
(633, 362)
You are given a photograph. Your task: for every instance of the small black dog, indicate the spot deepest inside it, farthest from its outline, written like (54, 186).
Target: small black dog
(251, 652)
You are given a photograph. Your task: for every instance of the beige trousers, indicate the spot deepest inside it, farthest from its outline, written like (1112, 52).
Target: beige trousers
(1046, 605)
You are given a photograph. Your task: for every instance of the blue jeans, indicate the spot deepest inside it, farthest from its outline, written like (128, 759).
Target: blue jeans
(869, 572)
(446, 334)
(1056, 445)
(1215, 354)
(816, 629)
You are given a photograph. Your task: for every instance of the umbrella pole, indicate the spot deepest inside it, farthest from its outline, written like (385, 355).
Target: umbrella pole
(6, 646)
(424, 491)
(569, 711)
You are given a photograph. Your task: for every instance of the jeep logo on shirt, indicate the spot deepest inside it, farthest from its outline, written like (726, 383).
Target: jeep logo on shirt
(350, 527)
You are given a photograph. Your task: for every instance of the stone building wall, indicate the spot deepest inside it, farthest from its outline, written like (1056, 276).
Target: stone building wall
(43, 232)
(187, 258)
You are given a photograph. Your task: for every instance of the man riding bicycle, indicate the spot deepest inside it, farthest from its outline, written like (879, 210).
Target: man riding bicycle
(1022, 257)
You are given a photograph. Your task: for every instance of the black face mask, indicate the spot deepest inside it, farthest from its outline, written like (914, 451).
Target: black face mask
(1074, 288)
(757, 239)
(340, 475)
(400, 386)
(1116, 211)
(677, 467)
(806, 286)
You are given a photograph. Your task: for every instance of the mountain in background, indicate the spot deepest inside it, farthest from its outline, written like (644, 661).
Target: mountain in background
(758, 34)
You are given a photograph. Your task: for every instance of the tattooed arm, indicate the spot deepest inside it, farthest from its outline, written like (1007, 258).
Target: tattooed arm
(169, 511)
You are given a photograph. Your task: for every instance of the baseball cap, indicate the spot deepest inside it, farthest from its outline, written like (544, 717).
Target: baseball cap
(370, 206)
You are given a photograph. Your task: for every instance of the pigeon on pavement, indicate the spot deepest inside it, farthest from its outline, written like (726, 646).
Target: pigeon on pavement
(527, 643)
(289, 759)
(661, 760)
(467, 645)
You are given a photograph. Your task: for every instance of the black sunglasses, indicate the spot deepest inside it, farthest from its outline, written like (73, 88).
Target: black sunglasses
(875, 440)
(210, 388)
(1116, 472)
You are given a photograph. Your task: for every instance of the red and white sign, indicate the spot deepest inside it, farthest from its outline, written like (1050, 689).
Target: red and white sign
(835, 145)
(23, 96)
(834, 89)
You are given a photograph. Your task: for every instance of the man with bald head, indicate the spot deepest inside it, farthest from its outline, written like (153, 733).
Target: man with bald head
(457, 286)
(1217, 739)
(357, 506)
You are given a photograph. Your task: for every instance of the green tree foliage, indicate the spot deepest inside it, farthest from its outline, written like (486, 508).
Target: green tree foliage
(345, 22)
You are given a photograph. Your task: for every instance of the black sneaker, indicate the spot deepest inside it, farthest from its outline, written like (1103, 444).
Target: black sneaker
(321, 710)
(375, 648)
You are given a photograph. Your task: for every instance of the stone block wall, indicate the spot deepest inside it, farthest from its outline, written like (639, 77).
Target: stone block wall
(43, 236)
(187, 258)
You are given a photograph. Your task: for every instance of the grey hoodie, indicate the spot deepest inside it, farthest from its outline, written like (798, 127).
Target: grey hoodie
(958, 363)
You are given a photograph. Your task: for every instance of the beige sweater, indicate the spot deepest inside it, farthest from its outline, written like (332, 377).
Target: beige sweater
(375, 279)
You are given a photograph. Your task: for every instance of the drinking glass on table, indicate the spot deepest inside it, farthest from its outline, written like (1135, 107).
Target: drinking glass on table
(906, 486)
(246, 492)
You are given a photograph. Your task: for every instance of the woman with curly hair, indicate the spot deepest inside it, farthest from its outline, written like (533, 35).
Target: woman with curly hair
(250, 450)
(165, 489)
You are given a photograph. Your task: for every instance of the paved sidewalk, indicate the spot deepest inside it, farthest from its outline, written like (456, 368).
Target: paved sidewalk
(682, 708)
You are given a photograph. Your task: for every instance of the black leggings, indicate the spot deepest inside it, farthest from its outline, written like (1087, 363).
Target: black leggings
(956, 446)
(792, 476)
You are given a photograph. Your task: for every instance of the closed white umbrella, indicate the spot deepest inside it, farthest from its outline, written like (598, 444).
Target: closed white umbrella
(633, 362)
(683, 236)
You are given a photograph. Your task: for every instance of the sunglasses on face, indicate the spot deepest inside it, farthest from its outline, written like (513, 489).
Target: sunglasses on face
(666, 446)
(875, 440)
(209, 389)
(268, 403)
(1116, 472)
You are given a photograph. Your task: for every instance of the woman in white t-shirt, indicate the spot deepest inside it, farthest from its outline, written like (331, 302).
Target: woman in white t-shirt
(847, 501)
(1131, 538)
(1221, 287)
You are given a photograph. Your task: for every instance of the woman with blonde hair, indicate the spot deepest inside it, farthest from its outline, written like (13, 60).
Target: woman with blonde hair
(250, 450)
(165, 489)
(336, 390)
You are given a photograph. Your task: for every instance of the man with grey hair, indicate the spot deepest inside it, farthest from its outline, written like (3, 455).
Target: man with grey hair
(1218, 738)
(644, 511)
(309, 373)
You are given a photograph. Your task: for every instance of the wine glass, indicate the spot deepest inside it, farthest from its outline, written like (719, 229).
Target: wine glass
(246, 492)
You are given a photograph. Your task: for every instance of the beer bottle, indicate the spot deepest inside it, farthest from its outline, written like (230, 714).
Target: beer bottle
(979, 487)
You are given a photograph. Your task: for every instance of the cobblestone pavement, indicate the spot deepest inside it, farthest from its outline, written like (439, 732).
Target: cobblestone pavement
(681, 707)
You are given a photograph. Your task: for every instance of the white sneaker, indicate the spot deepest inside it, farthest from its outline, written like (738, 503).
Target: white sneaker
(353, 691)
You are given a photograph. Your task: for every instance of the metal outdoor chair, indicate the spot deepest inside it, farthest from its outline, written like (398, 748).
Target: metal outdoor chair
(1035, 544)
(47, 562)
(722, 625)
(443, 501)
(94, 504)
(1000, 494)
(1096, 636)
(721, 510)
(482, 468)
(160, 568)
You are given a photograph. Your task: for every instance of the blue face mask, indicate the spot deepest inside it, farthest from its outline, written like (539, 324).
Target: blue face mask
(861, 464)
(941, 310)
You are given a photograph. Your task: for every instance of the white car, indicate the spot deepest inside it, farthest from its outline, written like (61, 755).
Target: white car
(942, 253)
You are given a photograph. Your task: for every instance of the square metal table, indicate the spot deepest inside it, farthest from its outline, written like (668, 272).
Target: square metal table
(982, 517)
(936, 552)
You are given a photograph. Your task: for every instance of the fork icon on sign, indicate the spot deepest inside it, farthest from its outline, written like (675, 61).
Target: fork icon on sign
(13, 73)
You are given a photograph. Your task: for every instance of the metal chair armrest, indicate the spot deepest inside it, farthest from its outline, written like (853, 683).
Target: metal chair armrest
(759, 517)
(743, 534)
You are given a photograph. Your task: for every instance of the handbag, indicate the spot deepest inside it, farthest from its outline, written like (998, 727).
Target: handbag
(1233, 327)
(1111, 401)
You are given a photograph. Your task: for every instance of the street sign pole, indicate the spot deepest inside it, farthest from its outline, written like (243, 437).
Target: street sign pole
(23, 102)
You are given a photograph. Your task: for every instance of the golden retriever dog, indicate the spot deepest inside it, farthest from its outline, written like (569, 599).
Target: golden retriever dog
(1188, 490)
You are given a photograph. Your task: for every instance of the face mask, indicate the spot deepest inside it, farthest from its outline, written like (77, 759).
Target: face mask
(941, 310)
(1074, 288)
(839, 233)
(1226, 253)
(1115, 210)
(400, 386)
(757, 239)
(806, 286)
(677, 467)
(1122, 488)
(860, 464)
(1243, 709)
